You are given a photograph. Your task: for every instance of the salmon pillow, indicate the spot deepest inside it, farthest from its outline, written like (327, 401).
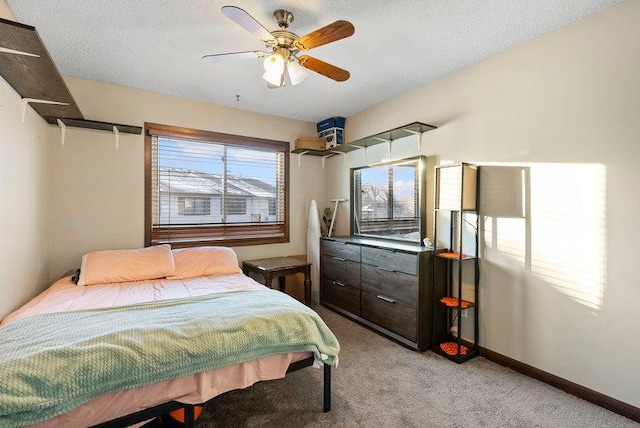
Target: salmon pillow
(201, 261)
(107, 266)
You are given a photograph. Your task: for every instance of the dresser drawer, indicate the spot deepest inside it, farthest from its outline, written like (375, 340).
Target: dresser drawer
(344, 271)
(396, 260)
(341, 250)
(393, 316)
(342, 296)
(397, 285)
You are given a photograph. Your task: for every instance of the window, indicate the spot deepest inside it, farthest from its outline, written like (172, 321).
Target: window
(205, 188)
(194, 206)
(237, 207)
(388, 200)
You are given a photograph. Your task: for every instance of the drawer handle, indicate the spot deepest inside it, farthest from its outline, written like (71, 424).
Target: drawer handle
(386, 299)
(339, 284)
(340, 258)
(386, 269)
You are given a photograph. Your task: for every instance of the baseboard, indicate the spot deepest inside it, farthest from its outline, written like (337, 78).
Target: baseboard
(579, 391)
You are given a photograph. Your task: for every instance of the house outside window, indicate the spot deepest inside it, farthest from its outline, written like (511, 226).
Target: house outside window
(206, 188)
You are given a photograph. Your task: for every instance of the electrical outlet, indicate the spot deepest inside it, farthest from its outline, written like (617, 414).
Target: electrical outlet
(464, 314)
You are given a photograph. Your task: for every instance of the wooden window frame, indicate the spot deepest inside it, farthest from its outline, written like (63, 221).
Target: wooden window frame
(222, 235)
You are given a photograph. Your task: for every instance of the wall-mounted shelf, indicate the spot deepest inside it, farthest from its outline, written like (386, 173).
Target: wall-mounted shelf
(35, 76)
(415, 128)
(92, 124)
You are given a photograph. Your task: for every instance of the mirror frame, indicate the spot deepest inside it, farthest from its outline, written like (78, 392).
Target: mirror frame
(422, 197)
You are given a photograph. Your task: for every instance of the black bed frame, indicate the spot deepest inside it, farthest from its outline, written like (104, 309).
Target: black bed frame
(189, 415)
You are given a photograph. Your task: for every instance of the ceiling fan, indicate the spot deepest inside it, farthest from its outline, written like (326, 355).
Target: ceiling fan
(282, 47)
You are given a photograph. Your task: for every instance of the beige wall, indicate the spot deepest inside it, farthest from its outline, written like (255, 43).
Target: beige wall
(24, 208)
(558, 288)
(5, 12)
(98, 193)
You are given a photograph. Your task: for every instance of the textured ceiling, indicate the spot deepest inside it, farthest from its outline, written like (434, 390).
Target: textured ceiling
(157, 45)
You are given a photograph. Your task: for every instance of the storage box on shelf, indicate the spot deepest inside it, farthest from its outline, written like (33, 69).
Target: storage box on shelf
(311, 143)
(456, 267)
(332, 122)
(332, 137)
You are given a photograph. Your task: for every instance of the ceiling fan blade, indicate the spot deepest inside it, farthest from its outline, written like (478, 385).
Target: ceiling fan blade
(216, 58)
(246, 21)
(327, 34)
(324, 68)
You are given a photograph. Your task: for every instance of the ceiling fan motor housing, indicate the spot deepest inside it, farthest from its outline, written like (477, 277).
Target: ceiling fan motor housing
(285, 41)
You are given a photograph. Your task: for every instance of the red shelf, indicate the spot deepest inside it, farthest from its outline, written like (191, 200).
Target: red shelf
(455, 303)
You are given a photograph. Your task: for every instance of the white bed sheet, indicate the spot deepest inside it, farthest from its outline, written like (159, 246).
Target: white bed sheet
(64, 295)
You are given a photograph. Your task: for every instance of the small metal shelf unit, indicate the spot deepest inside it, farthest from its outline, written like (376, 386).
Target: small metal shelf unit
(456, 268)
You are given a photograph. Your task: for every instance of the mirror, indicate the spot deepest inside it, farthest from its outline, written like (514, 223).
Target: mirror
(389, 200)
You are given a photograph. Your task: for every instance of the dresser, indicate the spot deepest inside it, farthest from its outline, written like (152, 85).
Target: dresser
(385, 285)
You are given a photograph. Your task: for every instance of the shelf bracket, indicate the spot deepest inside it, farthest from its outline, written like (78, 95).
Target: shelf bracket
(63, 131)
(411, 131)
(26, 101)
(419, 134)
(385, 140)
(15, 52)
(300, 156)
(363, 148)
(116, 134)
(323, 159)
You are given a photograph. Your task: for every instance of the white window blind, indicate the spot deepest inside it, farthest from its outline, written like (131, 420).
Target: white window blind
(218, 189)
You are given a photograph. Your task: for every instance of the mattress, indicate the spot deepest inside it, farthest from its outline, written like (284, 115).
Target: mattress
(64, 295)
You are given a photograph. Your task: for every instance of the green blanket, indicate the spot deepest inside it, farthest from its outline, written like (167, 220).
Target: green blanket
(53, 362)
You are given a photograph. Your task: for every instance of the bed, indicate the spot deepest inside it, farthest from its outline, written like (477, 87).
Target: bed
(185, 326)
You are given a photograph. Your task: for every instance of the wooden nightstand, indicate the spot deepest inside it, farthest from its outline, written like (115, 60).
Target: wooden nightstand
(279, 267)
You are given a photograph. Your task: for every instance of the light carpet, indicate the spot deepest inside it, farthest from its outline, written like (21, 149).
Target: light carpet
(381, 384)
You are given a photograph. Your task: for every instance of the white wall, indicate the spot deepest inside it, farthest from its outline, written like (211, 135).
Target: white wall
(24, 203)
(559, 289)
(98, 193)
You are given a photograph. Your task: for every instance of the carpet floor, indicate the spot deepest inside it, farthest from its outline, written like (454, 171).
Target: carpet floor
(379, 383)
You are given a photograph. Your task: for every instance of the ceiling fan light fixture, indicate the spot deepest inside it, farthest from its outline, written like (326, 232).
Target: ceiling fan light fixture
(274, 63)
(297, 73)
(274, 66)
(274, 79)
